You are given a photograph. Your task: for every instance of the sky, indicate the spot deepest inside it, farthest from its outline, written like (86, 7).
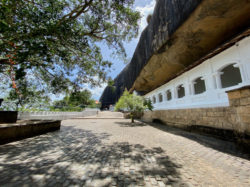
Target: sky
(145, 7)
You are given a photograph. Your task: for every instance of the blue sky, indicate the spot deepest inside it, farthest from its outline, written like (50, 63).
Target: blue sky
(145, 7)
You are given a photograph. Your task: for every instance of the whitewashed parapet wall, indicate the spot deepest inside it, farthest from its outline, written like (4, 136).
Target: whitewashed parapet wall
(47, 115)
(211, 73)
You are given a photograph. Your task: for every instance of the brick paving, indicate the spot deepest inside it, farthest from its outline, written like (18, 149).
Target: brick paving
(112, 152)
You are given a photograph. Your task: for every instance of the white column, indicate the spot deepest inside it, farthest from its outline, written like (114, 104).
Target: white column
(242, 71)
(186, 88)
(209, 82)
(209, 77)
(246, 67)
(165, 96)
(192, 88)
(172, 93)
(244, 63)
(217, 79)
(175, 93)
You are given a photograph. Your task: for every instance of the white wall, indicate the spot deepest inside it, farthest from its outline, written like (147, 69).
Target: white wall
(209, 70)
(47, 115)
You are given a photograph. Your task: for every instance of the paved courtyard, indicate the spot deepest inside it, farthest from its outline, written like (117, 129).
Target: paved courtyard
(113, 152)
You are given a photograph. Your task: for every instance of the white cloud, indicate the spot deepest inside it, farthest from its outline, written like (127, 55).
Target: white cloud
(145, 11)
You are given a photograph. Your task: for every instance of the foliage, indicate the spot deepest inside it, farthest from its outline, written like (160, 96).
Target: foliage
(133, 104)
(75, 101)
(57, 40)
(30, 99)
(148, 104)
(94, 105)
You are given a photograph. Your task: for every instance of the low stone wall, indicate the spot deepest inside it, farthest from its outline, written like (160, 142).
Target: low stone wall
(212, 117)
(234, 119)
(21, 130)
(45, 115)
(8, 116)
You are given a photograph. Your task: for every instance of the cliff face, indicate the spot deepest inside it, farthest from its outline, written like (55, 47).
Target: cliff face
(211, 24)
(179, 33)
(167, 17)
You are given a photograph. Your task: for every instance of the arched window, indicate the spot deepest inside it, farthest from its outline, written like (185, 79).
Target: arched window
(168, 95)
(154, 100)
(160, 97)
(180, 91)
(199, 86)
(230, 76)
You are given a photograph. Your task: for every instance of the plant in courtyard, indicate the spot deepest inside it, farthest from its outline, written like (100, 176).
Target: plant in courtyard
(132, 103)
(57, 41)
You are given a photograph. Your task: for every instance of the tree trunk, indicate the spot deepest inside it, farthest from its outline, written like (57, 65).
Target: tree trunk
(17, 106)
(132, 117)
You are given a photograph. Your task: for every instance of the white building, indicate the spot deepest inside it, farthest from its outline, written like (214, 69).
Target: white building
(205, 85)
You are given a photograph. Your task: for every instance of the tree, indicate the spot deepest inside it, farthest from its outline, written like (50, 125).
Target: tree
(133, 104)
(57, 40)
(30, 99)
(75, 101)
(82, 98)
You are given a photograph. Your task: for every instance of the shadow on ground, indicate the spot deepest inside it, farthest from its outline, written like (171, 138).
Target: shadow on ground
(75, 156)
(215, 143)
(129, 124)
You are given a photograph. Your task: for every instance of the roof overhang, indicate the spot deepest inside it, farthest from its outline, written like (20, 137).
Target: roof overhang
(211, 24)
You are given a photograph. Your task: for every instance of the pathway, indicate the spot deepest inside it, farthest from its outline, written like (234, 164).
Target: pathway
(114, 152)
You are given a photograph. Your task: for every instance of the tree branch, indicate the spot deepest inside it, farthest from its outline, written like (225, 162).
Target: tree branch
(76, 12)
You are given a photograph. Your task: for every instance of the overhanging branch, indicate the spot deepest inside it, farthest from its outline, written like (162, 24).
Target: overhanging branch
(76, 12)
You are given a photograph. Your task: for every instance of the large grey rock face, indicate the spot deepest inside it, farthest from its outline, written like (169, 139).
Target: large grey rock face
(167, 17)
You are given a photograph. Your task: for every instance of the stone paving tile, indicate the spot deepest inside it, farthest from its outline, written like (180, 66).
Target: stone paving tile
(112, 152)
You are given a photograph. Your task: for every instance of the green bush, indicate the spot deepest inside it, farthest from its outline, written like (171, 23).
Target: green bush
(133, 104)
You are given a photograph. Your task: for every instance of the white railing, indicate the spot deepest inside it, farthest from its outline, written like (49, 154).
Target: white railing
(47, 115)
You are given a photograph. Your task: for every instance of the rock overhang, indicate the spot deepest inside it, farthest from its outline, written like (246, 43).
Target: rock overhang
(180, 33)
